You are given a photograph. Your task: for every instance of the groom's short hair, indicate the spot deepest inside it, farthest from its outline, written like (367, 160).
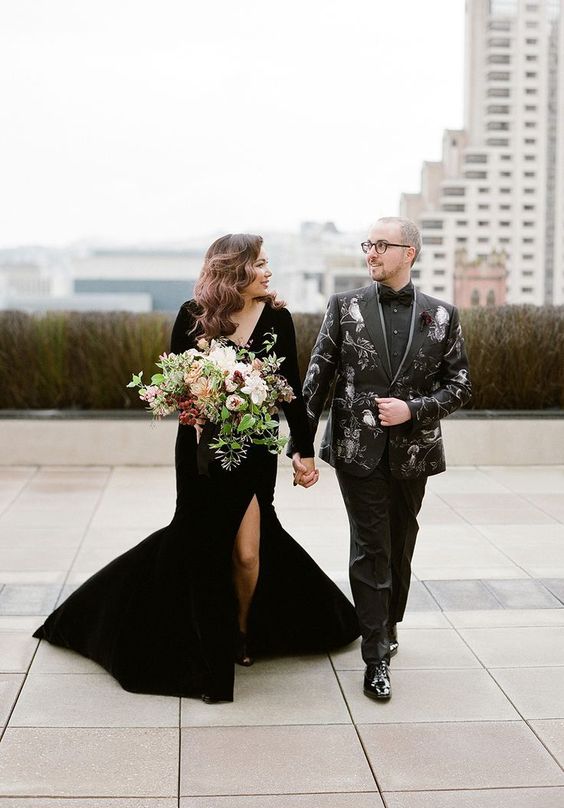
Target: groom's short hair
(410, 233)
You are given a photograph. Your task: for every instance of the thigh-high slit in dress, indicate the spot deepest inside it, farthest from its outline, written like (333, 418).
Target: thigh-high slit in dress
(162, 617)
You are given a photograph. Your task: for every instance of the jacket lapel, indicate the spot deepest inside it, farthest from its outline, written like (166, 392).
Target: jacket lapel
(369, 308)
(419, 334)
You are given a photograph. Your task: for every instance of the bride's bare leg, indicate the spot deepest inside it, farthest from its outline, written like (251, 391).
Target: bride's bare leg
(246, 560)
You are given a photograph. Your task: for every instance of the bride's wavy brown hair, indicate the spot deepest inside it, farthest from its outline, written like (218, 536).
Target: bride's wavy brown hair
(227, 270)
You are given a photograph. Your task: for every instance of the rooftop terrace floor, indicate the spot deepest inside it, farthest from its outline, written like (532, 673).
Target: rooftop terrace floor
(477, 714)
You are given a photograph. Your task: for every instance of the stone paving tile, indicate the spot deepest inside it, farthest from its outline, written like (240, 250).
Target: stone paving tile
(485, 798)
(358, 800)
(419, 649)
(274, 698)
(527, 479)
(430, 696)
(458, 756)
(267, 760)
(16, 650)
(539, 551)
(552, 504)
(517, 647)
(28, 599)
(556, 586)
(89, 700)
(435, 619)
(420, 599)
(525, 594)
(470, 479)
(536, 692)
(551, 734)
(453, 595)
(497, 618)
(10, 684)
(38, 558)
(89, 762)
(52, 659)
(24, 623)
(17, 516)
(87, 802)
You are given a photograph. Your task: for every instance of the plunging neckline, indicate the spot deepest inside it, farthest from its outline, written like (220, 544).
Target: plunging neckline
(244, 344)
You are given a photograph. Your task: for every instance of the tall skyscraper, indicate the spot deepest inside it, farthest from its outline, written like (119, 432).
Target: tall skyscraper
(494, 205)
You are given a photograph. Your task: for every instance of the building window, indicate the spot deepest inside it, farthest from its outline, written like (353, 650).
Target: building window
(476, 158)
(530, 141)
(528, 207)
(505, 207)
(503, 240)
(530, 125)
(483, 207)
(483, 190)
(498, 75)
(499, 42)
(483, 240)
(453, 207)
(505, 190)
(498, 92)
(439, 255)
(461, 223)
(461, 239)
(505, 157)
(530, 91)
(527, 256)
(531, 57)
(531, 107)
(528, 190)
(531, 24)
(475, 297)
(438, 289)
(528, 224)
(498, 126)
(497, 141)
(495, 109)
(452, 191)
(530, 75)
(529, 174)
(438, 272)
(476, 175)
(505, 173)
(499, 25)
(490, 299)
(483, 224)
(527, 290)
(432, 224)
(529, 157)
(528, 241)
(531, 41)
(499, 59)
(432, 240)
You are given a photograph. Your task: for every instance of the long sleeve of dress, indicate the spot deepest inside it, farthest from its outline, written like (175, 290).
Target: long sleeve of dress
(295, 411)
(181, 340)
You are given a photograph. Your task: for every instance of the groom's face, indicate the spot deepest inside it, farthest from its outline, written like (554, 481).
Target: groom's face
(395, 264)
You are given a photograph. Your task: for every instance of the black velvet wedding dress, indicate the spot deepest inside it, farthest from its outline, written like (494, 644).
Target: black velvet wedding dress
(162, 617)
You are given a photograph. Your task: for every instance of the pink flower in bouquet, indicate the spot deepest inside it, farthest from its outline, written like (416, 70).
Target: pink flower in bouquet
(234, 381)
(150, 394)
(234, 402)
(192, 375)
(201, 388)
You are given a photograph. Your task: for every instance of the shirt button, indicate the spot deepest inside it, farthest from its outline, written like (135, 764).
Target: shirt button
(395, 331)
(396, 311)
(395, 353)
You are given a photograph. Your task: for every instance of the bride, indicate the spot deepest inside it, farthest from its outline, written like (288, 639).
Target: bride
(223, 581)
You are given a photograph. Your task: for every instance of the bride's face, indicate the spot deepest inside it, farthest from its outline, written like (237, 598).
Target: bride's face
(259, 286)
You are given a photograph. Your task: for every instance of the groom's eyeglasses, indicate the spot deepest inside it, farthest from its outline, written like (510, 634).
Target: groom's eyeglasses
(381, 246)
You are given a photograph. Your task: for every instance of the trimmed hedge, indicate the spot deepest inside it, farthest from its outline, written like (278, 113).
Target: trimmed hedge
(61, 360)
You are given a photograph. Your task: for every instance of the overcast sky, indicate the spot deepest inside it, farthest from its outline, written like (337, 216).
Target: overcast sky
(136, 120)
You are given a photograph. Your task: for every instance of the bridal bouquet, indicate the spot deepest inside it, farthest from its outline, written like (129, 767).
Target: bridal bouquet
(231, 388)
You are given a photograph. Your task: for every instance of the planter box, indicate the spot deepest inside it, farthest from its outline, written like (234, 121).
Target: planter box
(118, 439)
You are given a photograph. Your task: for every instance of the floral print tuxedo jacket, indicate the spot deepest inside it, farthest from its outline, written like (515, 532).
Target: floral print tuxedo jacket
(432, 378)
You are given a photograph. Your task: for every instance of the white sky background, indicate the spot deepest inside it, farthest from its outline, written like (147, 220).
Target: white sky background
(138, 120)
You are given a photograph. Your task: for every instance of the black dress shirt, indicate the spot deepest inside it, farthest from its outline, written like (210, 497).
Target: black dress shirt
(397, 319)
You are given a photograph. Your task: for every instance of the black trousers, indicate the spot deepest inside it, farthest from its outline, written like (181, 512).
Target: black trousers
(382, 513)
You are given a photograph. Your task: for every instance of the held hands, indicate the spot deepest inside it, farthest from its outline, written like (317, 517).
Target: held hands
(305, 473)
(392, 411)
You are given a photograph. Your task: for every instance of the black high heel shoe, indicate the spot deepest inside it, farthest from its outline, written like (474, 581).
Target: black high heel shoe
(242, 655)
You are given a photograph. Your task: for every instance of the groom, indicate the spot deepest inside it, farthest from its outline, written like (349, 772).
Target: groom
(398, 361)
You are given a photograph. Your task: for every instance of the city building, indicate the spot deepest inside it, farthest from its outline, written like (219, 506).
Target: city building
(499, 187)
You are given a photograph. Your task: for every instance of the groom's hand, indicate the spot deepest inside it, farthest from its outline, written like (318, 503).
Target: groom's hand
(305, 473)
(392, 411)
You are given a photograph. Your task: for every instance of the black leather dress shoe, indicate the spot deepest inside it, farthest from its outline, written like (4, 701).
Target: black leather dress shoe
(377, 681)
(393, 637)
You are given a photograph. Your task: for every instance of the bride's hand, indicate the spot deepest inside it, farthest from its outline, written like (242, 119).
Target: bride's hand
(305, 473)
(198, 426)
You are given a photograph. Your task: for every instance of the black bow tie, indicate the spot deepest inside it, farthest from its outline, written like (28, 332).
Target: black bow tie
(388, 295)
